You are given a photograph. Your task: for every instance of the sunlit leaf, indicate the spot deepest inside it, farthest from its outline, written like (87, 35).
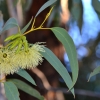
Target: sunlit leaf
(11, 91)
(9, 24)
(58, 66)
(25, 28)
(68, 43)
(47, 4)
(25, 75)
(95, 71)
(26, 88)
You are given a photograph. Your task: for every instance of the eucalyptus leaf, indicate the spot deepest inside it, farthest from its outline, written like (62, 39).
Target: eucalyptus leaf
(58, 66)
(76, 12)
(26, 88)
(9, 24)
(11, 20)
(47, 4)
(96, 5)
(68, 43)
(95, 71)
(25, 75)
(25, 28)
(11, 91)
(76, 1)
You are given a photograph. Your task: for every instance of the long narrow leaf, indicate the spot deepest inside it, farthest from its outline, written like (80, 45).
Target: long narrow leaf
(68, 43)
(9, 24)
(47, 4)
(11, 20)
(11, 91)
(58, 66)
(95, 71)
(26, 88)
(25, 75)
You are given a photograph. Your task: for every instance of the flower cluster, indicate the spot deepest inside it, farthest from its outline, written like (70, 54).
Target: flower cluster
(11, 62)
(18, 53)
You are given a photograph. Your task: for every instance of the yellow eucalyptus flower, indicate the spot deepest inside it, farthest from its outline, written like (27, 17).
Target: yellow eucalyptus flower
(11, 62)
(30, 58)
(7, 65)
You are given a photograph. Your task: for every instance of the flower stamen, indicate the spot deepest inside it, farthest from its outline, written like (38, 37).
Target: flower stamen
(5, 55)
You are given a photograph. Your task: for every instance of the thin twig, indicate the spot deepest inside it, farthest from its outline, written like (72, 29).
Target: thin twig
(77, 91)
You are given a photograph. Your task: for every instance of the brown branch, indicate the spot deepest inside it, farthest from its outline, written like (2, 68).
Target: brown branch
(58, 94)
(42, 77)
(2, 91)
(65, 15)
(77, 91)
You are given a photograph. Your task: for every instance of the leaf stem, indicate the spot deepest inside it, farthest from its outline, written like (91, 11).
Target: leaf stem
(46, 17)
(40, 27)
(33, 23)
(31, 30)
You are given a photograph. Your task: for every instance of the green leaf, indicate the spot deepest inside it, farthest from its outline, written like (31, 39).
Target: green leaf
(95, 71)
(26, 88)
(76, 11)
(59, 67)
(76, 1)
(25, 28)
(11, 91)
(47, 4)
(96, 5)
(68, 43)
(9, 24)
(25, 75)
(11, 20)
